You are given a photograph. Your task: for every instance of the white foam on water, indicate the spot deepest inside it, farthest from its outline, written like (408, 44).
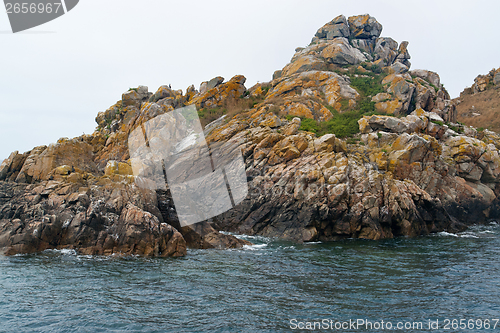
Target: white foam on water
(444, 233)
(468, 235)
(69, 252)
(248, 237)
(307, 243)
(254, 247)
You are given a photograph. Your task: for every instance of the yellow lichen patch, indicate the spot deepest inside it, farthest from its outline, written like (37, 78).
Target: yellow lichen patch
(285, 87)
(63, 170)
(388, 79)
(216, 96)
(290, 153)
(420, 112)
(271, 120)
(308, 109)
(389, 107)
(364, 126)
(117, 168)
(400, 143)
(300, 110)
(379, 158)
(260, 112)
(396, 158)
(463, 145)
(257, 92)
(332, 89)
(361, 69)
(324, 113)
(303, 63)
(223, 133)
(317, 76)
(331, 51)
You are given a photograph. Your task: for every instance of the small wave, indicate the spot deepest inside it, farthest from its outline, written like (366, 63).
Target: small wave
(254, 247)
(444, 233)
(308, 243)
(291, 247)
(247, 237)
(468, 235)
(69, 252)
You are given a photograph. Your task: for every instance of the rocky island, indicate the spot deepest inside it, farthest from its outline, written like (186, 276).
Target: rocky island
(346, 141)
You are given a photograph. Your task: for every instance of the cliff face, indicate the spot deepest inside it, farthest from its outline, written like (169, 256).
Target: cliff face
(479, 105)
(345, 141)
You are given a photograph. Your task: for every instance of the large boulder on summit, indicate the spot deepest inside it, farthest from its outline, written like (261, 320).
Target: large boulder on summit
(429, 76)
(338, 27)
(135, 95)
(364, 27)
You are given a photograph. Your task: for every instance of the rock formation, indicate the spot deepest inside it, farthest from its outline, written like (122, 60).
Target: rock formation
(479, 105)
(344, 142)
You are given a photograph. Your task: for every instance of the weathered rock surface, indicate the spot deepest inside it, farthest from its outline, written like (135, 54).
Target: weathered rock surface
(106, 219)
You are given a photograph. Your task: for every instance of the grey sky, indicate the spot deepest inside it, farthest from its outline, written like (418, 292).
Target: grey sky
(56, 77)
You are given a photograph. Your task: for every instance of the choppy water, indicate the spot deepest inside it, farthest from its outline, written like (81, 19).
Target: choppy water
(257, 289)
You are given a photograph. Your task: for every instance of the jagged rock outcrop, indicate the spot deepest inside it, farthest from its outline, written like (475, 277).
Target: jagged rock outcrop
(484, 82)
(344, 142)
(106, 219)
(479, 105)
(340, 47)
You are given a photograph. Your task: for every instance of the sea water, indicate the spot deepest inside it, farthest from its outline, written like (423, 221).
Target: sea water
(272, 286)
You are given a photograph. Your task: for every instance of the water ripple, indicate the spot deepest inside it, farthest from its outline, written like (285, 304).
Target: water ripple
(255, 289)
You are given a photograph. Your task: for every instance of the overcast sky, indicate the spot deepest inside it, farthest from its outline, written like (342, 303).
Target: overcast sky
(55, 78)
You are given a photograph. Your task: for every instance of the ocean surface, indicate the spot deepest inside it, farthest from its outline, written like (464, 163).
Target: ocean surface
(273, 286)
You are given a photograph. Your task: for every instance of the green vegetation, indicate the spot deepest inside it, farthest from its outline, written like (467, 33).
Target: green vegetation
(353, 140)
(376, 69)
(212, 112)
(437, 122)
(342, 125)
(457, 129)
(435, 88)
(367, 85)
